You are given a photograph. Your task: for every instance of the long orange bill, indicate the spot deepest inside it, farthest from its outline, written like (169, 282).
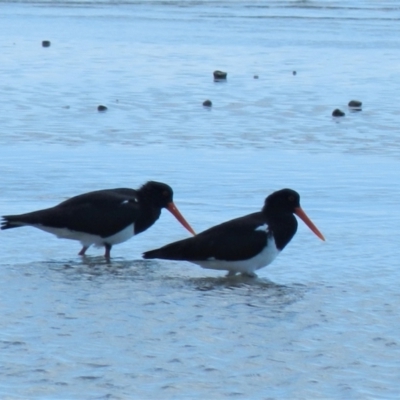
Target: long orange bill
(301, 214)
(175, 212)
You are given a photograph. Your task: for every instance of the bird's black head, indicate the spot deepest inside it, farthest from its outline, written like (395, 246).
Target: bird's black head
(283, 200)
(158, 193)
(279, 204)
(155, 196)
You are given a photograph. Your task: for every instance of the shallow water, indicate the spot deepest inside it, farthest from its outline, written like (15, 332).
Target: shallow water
(322, 320)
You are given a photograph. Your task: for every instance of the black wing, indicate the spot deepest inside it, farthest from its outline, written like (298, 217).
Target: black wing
(234, 240)
(103, 213)
(112, 197)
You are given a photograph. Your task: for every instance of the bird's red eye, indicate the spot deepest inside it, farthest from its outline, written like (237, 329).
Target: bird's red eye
(165, 194)
(291, 198)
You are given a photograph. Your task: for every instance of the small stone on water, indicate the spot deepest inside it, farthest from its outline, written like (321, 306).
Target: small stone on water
(338, 113)
(101, 108)
(355, 103)
(219, 75)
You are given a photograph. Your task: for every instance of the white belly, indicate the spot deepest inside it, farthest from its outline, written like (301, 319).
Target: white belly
(88, 239)
(262, 259)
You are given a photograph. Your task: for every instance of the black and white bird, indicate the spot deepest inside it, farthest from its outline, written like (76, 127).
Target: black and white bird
(103, 217)
(243, 245)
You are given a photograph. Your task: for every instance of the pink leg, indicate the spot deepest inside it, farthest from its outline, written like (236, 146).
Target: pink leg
(83, 251)
(107, 254)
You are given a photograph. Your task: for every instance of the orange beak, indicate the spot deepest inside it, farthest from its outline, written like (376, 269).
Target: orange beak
(301, 214)
(175, 212)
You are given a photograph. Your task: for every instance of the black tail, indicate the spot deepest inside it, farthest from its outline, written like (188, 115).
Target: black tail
(10, 221)
(180, 250)
(151, 254)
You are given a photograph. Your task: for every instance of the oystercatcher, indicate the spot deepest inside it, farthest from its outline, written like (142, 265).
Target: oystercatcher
(103, 217)
(243, 245)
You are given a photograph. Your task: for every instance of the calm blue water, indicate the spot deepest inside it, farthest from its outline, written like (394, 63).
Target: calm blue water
(322, 320)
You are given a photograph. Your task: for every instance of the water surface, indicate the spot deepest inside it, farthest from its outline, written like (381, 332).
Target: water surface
(321, 321)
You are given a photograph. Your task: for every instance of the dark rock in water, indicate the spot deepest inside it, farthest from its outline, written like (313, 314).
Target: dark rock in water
(255, 77)
(355, 104)
(294, 72)
(101, 108)
(207, 103)
(219, 75)
(46, 43)
(338, 113)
